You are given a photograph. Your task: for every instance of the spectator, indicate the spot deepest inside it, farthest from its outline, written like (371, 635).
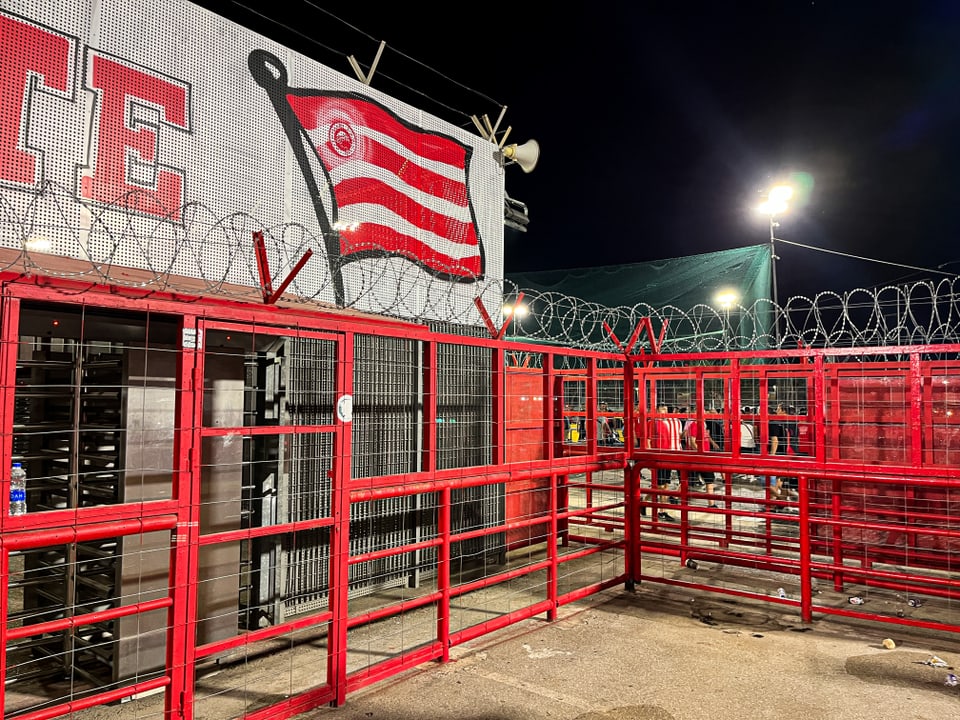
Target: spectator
(606, 435)
(697, 438)
(715, 428)
(748, 433)
(665, 433)
(779, 432)
(748, 438)
(792, 431)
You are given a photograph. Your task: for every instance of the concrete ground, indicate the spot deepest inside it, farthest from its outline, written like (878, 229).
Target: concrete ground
(661, 654)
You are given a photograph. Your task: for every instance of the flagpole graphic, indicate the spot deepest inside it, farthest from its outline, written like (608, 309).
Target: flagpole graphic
(380, 186)
(271, 75)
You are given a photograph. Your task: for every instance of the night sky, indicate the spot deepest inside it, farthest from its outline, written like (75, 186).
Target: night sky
(662, 123)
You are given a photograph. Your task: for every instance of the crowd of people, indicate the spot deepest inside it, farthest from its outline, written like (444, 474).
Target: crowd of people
(672, 430)
(676, 429)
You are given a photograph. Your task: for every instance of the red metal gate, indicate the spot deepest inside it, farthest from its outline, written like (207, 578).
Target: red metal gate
(215, 530)
(867, 518)
(218, 490)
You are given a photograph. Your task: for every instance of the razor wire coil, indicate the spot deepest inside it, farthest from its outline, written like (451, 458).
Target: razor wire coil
(204, 255)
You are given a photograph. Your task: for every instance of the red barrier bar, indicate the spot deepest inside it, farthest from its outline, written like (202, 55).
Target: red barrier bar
(507, 321)
(388, 668)
(399, 550)
(263, 265)
(613, 336)
(4, 613)
(25, 631)
(266, 430)
(469, 477)
(587, 551)
(394, 609)
(296, 705)
(340, 501)
(489, 626)
(806, 579)
(498, 578)
(911, 622)
(485, 316)
(589, 590)
(443, 570)
(264, 531)
(86, 533)
(553, 573)
(181, 633)
(93, 700)
(253, 636)
(928, 584)
(78, 517)
(274, 296)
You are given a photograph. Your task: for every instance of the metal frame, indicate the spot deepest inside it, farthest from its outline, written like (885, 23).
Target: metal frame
(586, 498)
(181, 516)
(877, 493)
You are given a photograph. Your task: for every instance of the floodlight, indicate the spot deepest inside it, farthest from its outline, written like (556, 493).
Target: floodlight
(727, 298)
(514, 311)
(781, 193)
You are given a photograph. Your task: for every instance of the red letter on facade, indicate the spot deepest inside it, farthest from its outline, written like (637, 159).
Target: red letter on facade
(33, 59)
(133, 108)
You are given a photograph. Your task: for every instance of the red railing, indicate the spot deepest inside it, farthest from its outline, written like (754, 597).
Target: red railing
(398, 567)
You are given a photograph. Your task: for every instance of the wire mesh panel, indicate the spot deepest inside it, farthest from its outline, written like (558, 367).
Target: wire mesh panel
(266, 509)
(114, 632)
(464, 406)
(94, 406)
(836, 490)
(260, 480)
(465, 438)
(595, 531)
(387, 407)
(267, 673)
(93, 427)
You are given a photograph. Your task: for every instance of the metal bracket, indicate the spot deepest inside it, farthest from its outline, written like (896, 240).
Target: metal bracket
(270, 295)
(485, 316)
(263, 266)
(367, 79)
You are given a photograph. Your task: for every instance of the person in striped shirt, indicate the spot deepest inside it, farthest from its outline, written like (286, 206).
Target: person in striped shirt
(665, 433)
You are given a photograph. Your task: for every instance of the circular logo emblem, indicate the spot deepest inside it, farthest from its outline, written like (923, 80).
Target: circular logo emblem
(342, 139)
(345, 408)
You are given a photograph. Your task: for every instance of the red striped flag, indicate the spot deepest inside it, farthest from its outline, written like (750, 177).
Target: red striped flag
(398, 190)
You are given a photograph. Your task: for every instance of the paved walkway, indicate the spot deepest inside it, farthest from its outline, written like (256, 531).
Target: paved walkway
(661, 654)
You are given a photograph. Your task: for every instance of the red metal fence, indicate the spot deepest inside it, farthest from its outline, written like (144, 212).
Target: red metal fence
(238, 510)
(868, 519)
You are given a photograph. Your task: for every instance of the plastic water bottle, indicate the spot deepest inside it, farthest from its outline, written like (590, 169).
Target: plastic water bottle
(18, 490)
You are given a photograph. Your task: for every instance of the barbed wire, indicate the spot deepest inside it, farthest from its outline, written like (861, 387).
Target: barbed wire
(191, 251)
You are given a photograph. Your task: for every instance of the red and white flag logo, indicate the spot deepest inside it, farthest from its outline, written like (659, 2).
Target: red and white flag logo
(397, 190)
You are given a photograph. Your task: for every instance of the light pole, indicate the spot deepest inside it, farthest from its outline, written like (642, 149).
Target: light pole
(775, 204)
(726, 299)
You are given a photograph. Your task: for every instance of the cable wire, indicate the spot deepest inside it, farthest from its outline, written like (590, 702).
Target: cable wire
(380, 73)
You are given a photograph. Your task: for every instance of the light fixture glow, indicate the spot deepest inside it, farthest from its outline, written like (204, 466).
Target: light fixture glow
(776, 202)
(518, 311)
(781, 193)
(772, 207)
(727, 298)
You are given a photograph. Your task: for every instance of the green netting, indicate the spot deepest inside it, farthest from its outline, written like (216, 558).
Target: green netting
(682, 282)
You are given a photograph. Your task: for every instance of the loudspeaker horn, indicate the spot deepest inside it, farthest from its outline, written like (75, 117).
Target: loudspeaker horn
(525, 155)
